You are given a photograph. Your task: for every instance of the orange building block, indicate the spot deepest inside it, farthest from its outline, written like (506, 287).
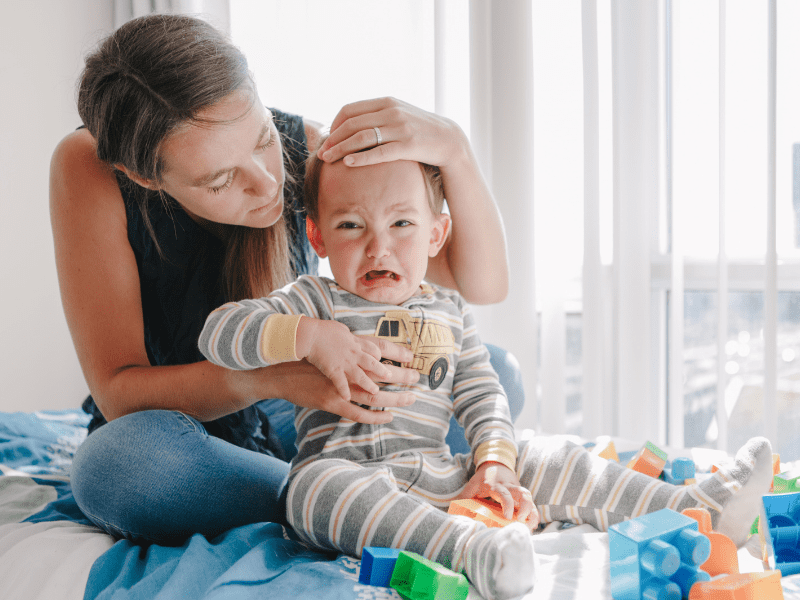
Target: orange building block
(723, 559)
(480, 509)
(776, 470)
(605, 449)
(650, 460)
(745, 586)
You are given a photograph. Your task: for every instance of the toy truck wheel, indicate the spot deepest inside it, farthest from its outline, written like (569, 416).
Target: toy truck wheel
(438, 373)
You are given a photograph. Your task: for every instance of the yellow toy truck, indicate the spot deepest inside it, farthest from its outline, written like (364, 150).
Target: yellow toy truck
(430, 341)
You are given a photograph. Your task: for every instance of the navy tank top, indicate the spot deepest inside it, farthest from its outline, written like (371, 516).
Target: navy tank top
(181, 289)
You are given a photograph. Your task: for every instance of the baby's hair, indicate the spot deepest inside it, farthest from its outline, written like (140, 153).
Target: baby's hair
(432, 176)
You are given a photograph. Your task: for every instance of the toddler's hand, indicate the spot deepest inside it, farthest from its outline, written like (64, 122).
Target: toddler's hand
(498, 482)
(341, 356)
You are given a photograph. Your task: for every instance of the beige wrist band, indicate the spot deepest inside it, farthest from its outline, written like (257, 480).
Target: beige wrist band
(279, 337)
(501, 451)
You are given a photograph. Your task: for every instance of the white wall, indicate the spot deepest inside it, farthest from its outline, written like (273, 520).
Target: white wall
(42, 45)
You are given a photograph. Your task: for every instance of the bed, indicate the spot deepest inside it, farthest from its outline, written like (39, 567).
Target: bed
(48, 549)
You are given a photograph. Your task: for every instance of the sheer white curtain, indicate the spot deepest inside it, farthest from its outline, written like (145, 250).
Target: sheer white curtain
(217, 12)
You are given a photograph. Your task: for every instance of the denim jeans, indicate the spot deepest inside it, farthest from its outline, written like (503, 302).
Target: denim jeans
(158, 476)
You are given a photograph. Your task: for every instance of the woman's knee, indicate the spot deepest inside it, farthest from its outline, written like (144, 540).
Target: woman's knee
(110, 477)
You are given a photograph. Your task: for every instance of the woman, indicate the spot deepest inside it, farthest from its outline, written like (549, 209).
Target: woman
(180, 193)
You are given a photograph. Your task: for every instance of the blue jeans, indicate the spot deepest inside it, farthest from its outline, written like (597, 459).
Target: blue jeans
(158, 476)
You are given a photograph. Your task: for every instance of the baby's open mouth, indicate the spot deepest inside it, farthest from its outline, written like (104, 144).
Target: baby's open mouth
(372, 275)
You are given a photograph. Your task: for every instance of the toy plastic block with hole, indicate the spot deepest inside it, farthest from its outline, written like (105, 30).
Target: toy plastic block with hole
(657, 555)
(745, 586)
(650, 460)
(776, 470)
(484, 510)
(417, 578)
(604, 448)
(723, 558)
(787, 482)
(377, 565)
(680, 471)
(779, 532)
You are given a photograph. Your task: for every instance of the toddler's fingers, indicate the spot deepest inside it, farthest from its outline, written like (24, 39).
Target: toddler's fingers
(533, 519)
(524, 502)
(365, 383)
(506, 500)
(341, 384)
(372, 365)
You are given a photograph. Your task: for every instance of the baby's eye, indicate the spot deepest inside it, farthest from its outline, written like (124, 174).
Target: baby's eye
(402, 223)
(347, 225)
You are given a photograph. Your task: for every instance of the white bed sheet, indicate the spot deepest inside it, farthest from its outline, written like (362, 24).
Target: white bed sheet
(53, 559)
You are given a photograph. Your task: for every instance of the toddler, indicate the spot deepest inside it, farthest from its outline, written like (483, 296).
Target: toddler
(354, 485)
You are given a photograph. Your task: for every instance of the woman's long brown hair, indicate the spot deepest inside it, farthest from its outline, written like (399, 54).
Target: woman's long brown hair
(145, 80)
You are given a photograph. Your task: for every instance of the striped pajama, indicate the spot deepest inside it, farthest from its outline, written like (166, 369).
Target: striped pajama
(347, 506)
(354, 485)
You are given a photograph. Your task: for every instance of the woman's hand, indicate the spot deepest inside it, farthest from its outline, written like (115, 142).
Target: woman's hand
(302, 384)
(407, 133)
(498, 482)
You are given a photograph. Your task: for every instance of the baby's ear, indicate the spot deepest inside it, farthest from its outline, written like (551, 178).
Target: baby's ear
(315, 237)
(440, 229)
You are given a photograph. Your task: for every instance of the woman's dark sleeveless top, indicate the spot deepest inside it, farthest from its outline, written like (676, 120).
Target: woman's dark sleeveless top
(182, 288)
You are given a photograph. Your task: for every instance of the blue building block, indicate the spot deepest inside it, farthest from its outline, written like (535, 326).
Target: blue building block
(656, 556)
(377, 565)
(781, 534)
(417, 578)
(683, 468)
(679, 471)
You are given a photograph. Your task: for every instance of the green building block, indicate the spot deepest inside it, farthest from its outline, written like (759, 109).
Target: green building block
(417, 578)
(786, 482)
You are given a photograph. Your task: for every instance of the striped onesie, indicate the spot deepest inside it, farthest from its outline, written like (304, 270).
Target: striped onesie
(354, 485)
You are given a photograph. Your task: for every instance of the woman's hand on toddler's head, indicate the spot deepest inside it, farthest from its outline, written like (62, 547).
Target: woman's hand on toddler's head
(498, 482)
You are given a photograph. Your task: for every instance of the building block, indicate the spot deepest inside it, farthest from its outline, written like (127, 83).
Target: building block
(723, 558)
(779, 532)
(681, 471)
(480, 509)
(605, 448)
(683, 468)
(745, 586)
(417, 578)
(650, 460)
(776, 469)
(786, 482)
(657, 555)
(377, 565)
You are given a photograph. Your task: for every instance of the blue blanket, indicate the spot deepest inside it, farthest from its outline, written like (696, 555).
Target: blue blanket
(262, 560)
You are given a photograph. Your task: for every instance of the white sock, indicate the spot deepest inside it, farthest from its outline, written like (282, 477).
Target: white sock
(500, 562)
(740, 511)
(738, 489)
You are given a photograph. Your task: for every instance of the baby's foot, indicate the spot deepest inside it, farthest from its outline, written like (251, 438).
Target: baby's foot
(500, 562)
(737, 488)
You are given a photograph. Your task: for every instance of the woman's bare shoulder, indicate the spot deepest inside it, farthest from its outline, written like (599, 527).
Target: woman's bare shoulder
(76, 171)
